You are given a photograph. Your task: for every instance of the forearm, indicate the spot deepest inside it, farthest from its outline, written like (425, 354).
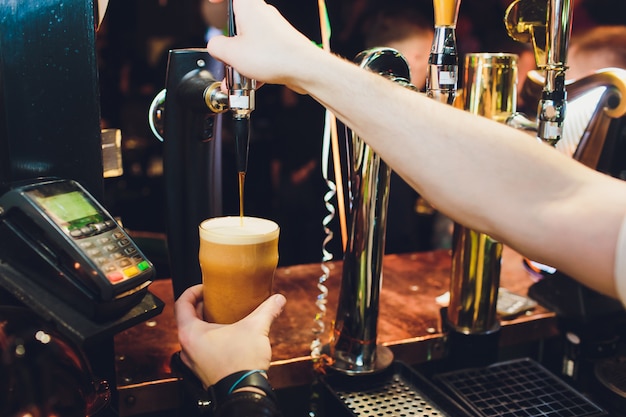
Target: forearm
(481, 173)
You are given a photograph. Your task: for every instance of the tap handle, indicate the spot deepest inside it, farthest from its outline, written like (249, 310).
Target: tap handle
(241, 101)
(241, 89)
(446, 12)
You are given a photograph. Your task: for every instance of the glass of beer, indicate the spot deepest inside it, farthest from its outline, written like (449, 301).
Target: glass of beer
(238, 258)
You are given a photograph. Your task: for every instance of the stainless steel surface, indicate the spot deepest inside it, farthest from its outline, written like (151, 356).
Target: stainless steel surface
(401, 391)
(353, 348)
(520, 387)
(490, 90)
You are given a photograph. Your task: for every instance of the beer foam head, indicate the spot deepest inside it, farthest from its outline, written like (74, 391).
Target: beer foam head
(237, 231)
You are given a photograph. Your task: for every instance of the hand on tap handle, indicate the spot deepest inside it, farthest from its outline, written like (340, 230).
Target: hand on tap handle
(241, 100)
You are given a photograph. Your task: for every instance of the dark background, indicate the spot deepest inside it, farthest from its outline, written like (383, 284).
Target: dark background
(133, 42)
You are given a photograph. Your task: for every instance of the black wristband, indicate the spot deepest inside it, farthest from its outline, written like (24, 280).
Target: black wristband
(248, 403)
(225, 386)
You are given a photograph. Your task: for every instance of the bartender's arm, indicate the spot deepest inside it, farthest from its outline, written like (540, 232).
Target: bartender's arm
(480, 173)
(230, 360)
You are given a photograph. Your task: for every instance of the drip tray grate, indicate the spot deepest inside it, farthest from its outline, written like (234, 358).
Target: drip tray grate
(398, 392)
(517, 388)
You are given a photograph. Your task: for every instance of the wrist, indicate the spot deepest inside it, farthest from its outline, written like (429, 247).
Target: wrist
(249, 380)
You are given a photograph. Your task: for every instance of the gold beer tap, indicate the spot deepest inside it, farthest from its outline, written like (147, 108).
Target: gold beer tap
(490, 90)
(490, 87)
(547, 25)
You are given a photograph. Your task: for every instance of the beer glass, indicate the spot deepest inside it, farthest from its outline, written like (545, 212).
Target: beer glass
(238, 257)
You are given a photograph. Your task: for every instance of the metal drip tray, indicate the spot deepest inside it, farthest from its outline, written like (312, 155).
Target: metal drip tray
(399, 391)
(517, 388)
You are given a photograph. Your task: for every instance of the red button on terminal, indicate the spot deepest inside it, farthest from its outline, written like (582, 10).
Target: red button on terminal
(115, 276)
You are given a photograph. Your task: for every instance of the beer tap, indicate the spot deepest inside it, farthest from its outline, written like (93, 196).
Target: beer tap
(548, 26)
(241, 99)
(475, 272)
(181, 116)
(443, 61)
(353, 348)
(551, 110)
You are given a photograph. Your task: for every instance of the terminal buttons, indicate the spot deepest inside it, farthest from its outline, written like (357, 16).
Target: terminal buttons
(113, 252)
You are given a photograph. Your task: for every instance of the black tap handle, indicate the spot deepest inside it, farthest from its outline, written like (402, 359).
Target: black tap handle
(242, 140)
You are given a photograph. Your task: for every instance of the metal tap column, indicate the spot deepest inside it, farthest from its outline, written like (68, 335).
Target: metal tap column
(353, 348)
(490, 90)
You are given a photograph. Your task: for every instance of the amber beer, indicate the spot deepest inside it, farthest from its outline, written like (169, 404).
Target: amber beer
(238, 258)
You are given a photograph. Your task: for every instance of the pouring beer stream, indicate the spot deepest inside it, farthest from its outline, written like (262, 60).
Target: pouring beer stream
(241, 100)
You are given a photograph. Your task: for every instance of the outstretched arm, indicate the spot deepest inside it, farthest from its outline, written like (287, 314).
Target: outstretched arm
(482, 174)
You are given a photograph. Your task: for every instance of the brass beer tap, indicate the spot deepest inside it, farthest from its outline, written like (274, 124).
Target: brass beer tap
(547, 25)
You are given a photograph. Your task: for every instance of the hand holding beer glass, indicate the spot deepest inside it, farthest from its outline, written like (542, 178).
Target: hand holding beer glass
(238, 258)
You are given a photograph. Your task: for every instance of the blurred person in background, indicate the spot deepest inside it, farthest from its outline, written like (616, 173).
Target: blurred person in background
(408, 27)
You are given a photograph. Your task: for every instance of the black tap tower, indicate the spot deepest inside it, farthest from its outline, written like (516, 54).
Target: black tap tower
(192, 160)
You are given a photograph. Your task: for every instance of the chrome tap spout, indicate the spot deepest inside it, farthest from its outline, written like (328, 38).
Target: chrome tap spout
(551, 111)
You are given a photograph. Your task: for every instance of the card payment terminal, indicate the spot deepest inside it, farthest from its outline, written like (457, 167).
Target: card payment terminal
(58, 235)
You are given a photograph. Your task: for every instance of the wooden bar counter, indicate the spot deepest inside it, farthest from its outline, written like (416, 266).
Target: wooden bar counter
(409, 324)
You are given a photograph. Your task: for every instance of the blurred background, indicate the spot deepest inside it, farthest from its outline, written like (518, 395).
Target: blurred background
(284, 180)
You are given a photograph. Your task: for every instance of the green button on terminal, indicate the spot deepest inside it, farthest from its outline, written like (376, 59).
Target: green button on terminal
(143, 265)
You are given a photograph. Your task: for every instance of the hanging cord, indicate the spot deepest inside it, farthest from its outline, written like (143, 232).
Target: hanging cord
(321, 300)
(330, 140)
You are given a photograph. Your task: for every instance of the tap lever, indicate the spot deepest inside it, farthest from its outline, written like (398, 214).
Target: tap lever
(241, 128)
(241, 101)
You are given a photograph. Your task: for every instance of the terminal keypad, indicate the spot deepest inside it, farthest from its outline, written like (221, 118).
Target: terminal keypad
(111, 250)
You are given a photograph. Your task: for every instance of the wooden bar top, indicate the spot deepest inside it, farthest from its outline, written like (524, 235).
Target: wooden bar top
(409, 324)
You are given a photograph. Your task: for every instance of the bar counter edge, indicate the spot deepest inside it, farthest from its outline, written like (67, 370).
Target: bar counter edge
(409, 325)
